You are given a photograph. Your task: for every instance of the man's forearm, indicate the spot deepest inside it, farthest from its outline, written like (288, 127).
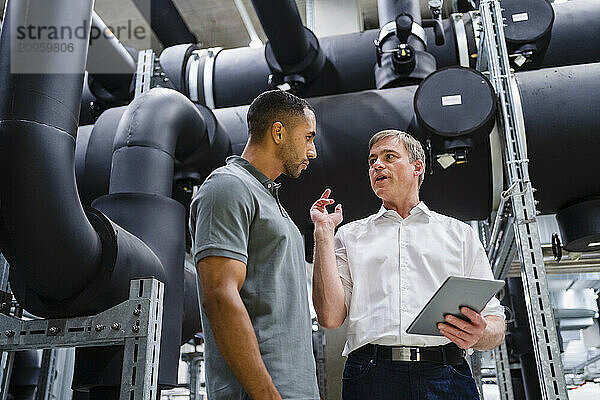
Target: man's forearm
(493, 334)
(237, 343)
(328, 292)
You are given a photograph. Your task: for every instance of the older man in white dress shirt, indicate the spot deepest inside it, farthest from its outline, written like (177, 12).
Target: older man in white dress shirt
(380, 271)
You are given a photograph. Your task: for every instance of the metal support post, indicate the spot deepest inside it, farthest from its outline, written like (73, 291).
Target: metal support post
(8, 359)
(149, 73)
(56, 375)
(503, 376)
(135, 323)
(4, 269)
(46, 380)
(541, 318)
(195, 361)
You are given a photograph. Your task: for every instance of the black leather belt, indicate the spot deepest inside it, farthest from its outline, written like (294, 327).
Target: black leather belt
(448, 354)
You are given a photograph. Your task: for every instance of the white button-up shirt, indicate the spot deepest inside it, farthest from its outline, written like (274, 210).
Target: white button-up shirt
(390, 267)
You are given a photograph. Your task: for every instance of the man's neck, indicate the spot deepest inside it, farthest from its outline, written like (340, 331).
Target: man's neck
(263, 161)
(402, 207)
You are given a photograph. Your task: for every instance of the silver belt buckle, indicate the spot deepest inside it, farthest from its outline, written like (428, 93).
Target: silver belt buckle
(406, 354)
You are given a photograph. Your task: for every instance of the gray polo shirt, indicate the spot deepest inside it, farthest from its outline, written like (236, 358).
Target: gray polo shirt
(237, 214)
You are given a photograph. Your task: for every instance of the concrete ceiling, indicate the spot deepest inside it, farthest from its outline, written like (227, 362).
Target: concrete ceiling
(214, 22)
(218, 22)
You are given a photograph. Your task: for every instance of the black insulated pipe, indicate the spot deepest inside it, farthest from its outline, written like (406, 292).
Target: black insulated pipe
(455, 110)
(157, 130)
(579, 225)
(109, 79)
(519, 336)
(38, 121)
(283, 26)
(166, 21)
(346, 122)
(241, 74)
(64, 260)
(402, 58)
(292, 52)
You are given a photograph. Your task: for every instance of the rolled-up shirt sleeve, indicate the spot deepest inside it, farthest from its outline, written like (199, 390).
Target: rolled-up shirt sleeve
(341, 258)
(478, 266)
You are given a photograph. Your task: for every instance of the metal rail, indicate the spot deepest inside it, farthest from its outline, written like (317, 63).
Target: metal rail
(541, 319)
(136, 323)
(503, 372)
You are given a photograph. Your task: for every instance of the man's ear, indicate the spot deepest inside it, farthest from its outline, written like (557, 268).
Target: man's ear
(277, 131)
(419, 167)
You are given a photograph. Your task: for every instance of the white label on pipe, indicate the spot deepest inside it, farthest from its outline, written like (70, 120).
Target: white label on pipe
(454, 100)
(446, 160)
(520, 17)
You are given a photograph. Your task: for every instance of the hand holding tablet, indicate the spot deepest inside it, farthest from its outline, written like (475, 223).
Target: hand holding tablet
(455, 293)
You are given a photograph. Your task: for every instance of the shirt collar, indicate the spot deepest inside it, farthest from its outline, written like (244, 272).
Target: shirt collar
(266, 182)
(420, 208)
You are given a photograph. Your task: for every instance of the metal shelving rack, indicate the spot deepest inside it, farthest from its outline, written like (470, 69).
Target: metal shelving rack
(135, 323)
(494, 57)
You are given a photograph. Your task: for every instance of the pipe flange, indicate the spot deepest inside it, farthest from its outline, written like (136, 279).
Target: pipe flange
(389, 29)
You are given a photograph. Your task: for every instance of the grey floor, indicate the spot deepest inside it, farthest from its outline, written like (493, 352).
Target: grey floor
(589, 391)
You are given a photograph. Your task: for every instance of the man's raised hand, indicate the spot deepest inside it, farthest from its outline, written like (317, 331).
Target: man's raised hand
(319, 214)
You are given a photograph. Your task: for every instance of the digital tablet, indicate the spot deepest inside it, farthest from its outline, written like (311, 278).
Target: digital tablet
(455, 292)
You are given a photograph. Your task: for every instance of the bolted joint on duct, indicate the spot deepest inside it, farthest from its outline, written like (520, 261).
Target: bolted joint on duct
(402, 58)
(298, 74)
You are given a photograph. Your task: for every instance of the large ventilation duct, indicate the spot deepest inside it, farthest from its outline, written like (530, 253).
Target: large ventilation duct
(38, 119)
(235, 77)
(292, 52)
(156, 132)
(346, 122)
(166, 21)
(139, 200)
(66, 261)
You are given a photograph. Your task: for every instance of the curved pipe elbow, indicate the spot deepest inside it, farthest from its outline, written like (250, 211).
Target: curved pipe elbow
(157, 130)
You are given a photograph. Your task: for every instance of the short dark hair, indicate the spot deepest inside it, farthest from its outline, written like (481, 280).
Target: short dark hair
(270, 107)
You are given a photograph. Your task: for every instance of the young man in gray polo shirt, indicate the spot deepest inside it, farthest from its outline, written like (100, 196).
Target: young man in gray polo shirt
(250, 258)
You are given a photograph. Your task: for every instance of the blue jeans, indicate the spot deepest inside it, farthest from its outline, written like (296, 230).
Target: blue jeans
(368, 378)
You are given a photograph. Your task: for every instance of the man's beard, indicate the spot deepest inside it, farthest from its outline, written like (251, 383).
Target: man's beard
(291, 169)
(291, 166)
